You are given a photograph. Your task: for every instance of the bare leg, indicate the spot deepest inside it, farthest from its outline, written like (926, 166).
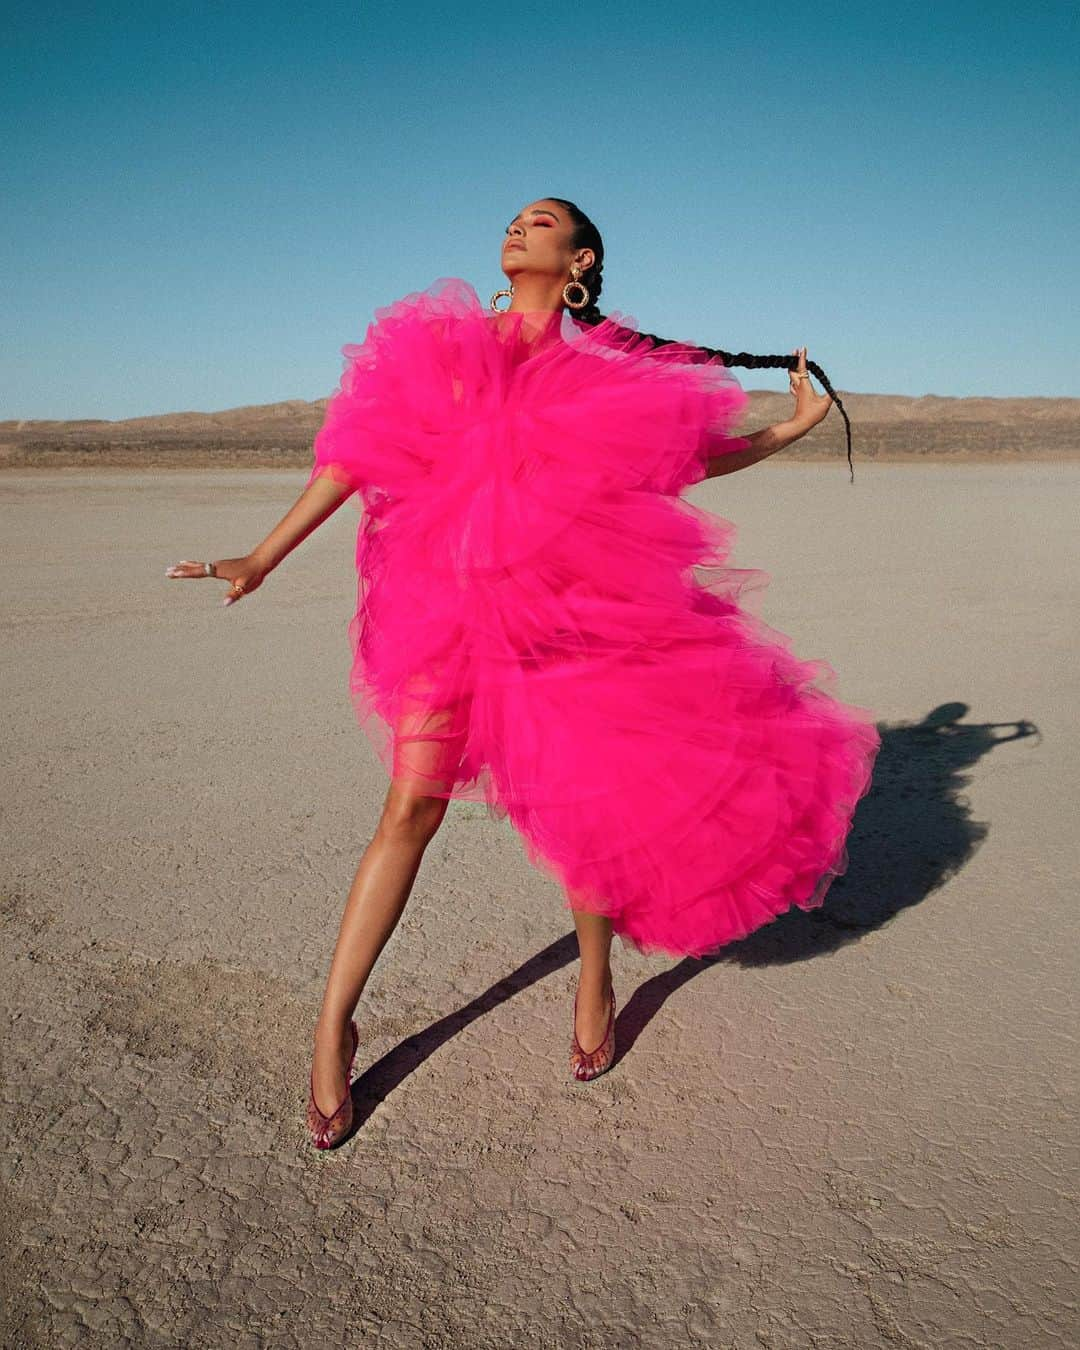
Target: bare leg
(594, 980)
(377, 898)
(427, 747)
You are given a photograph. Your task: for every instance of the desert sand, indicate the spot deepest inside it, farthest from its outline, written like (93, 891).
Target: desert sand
(856, 1128)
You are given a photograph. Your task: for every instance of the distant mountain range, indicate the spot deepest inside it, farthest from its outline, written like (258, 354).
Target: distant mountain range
(279, 435)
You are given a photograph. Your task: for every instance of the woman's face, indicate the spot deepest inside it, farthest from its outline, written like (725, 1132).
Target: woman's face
(538, 241)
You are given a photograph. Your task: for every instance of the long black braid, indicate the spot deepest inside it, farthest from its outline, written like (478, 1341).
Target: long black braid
(586, 235)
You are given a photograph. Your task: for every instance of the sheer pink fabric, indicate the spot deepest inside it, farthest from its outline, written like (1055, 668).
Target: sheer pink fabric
(545, 625)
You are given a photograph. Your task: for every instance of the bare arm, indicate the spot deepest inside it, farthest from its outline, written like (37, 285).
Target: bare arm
(810, 408)
(318, 501)
(763, 443)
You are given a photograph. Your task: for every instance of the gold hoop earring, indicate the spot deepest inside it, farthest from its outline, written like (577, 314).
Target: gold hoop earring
(509, 292)
(576, 304)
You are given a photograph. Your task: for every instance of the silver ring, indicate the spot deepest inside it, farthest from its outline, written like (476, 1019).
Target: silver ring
(208, 569)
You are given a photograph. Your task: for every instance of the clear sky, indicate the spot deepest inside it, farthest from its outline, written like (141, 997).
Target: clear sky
(202, 204)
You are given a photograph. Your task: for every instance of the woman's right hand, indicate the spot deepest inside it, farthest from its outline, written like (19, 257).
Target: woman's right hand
(245, 574)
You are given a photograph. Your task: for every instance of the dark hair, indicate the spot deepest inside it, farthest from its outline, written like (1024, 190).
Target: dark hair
(586, 235)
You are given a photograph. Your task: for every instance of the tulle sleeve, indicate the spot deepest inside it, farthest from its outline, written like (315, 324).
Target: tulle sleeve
(377, 430)
(717, 402)
(344, 448)
(675, 411)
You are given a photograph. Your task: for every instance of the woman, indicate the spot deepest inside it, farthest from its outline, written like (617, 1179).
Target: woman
(546, 626)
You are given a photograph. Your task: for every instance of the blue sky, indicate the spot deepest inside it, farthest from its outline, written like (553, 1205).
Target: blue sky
(202, 205)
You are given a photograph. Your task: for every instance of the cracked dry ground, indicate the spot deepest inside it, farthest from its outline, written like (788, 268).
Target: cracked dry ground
(856, 1129)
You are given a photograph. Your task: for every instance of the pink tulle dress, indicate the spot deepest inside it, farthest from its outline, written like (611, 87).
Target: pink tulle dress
(545, 625)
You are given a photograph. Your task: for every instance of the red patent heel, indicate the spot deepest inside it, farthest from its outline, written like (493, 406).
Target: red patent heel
(586, 1064)
(328, 1131)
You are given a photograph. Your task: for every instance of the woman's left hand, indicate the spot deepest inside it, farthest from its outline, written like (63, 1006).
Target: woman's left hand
(810, 406)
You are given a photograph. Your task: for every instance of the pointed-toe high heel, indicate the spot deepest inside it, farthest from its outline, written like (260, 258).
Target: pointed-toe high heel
(328, 1131)
(586, 1064)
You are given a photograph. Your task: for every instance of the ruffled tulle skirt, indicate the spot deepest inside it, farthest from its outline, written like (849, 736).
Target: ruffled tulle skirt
(545, 625)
